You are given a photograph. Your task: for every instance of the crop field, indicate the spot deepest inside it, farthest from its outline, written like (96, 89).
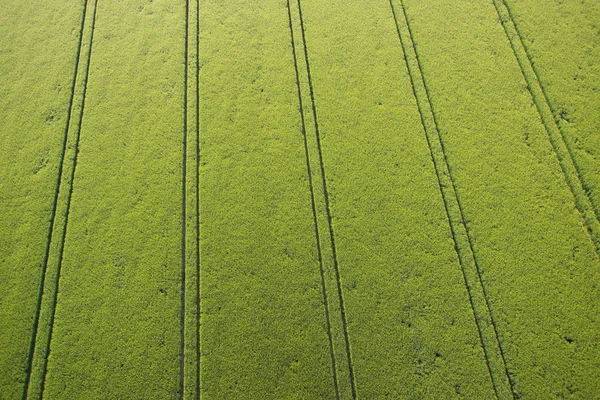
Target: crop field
(300, 199)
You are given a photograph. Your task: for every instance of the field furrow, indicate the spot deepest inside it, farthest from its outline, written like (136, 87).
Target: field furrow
(42, 330)
(314, 201)
(328, 262)
(567, 159)
(190, 335)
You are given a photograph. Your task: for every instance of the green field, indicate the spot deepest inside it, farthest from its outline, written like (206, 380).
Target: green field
(300, 199)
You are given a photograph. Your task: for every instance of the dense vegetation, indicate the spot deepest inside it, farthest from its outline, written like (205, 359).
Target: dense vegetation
(299, 199)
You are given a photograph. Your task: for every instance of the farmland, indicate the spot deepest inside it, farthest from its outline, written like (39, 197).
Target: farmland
(300, 199)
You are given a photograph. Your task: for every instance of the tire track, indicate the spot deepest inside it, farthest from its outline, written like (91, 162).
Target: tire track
(190, 246)
(321, 175)
(566, 158)
(54, 208)
(478, 298)
(182, 343)
(198, 283)
(40, 348)
(314, 209)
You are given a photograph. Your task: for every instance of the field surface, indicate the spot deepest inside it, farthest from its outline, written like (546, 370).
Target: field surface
(300, 199)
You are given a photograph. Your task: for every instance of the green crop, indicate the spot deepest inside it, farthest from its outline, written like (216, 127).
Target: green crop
(273, 199)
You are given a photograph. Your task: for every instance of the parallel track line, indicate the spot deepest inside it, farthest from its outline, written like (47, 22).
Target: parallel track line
(61, 245)
(314, 209)
(198, 283)
(454, 195)
(54, 208)
(184, 210)
(327, 206)
(556, 135)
